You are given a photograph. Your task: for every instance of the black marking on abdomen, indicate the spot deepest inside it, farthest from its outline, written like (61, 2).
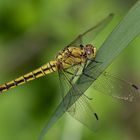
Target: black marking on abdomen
(27, 77)
(33, 75)
(20, 81)
(15, 82)
(7, 86)
(2, 88)
(37, 73)
(51, 67)
(45, 69)
(10, 85)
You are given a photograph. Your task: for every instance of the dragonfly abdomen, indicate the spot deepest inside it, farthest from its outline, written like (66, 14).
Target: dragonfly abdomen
(42, 71)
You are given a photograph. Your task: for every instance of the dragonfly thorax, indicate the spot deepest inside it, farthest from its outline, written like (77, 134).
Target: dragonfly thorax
(71, 56)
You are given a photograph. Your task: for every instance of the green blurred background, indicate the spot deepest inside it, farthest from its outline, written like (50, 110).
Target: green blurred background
(31, 34)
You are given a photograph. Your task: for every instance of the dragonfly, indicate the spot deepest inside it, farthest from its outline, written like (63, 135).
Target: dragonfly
(78, 60)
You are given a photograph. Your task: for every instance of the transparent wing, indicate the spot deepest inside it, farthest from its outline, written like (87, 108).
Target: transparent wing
(83, 112)
(108, 83)
(91, 33)
(116, 87)
(77, 104)
(71, 74)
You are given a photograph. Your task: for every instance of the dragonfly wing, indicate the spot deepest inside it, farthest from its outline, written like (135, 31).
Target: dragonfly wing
(92, 32)
(109, 84)
(83, 112)
(116, 87)
(65, 103)
(63, 86)
(77, 104)
(71, 74)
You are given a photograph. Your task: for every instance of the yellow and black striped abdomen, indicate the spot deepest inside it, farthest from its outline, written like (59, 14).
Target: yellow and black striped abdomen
(42, 71)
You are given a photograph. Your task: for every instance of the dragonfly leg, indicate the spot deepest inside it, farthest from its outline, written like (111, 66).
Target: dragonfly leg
(91, 77)
(93, 60)
(72, 73)
(89, 98)
(98, 61)
(70, 83)
(84, 67)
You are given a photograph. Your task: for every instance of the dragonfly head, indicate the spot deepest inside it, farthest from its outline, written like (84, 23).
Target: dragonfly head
(90, 51)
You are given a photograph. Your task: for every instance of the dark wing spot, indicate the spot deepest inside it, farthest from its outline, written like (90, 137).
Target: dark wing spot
(134, 86)
(96, 116)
